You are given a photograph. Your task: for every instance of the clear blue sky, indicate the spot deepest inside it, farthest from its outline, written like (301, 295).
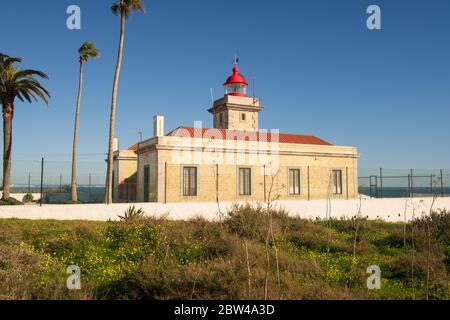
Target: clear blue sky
(319, 71)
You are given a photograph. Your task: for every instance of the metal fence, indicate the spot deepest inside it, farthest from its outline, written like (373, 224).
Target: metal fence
(52, 178)
(396, 183)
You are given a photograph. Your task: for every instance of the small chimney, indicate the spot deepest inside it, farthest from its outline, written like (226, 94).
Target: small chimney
(158, 126)
(115, 144)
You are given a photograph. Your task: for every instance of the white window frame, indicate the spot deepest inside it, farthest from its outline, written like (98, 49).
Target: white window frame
(335, 189)
(239, 182)
(289, 181)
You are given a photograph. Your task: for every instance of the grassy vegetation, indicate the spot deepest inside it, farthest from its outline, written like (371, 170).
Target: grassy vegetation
(10, 202)
(237, 258)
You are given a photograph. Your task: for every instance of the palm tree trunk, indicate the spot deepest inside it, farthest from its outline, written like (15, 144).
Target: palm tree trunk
(8, 113)
(74, 195)
(109, 173)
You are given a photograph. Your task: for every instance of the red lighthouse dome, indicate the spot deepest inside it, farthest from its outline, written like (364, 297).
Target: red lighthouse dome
(236, 84)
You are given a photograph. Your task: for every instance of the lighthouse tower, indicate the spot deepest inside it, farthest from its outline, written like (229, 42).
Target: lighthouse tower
(236, 111)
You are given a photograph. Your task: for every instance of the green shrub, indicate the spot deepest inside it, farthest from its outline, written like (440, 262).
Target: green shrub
(28, 198)
(10, 202)
(247, 221)
(154, 258)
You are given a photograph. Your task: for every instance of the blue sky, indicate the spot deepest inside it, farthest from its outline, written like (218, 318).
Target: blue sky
(318, 70)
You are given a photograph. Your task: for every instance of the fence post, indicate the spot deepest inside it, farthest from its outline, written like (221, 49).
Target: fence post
(60, 182)
(381, 183)
(42, 180)
(89, 187)
(29, 182)
(412, 184)
(442, 185)
(431, 184)
(409, 185)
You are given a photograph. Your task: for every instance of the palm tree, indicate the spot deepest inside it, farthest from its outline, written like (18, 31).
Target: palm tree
(124, 8)
(86, 51)
(23, 85)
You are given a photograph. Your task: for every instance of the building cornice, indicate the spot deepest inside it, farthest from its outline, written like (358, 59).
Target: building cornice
(238, 107)
(254, 151)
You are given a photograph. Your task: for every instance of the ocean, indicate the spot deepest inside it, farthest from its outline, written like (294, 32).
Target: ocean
(402, 192)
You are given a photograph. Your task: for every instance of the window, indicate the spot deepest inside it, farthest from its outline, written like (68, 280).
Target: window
(245, 181)
(235, 88)
(220, 120)
(294, 181)
(146, 183)
(242, 116)
(189, 181)
(336, 176)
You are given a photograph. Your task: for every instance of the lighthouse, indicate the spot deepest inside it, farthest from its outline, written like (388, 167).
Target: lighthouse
(236, 111)
(232, 161)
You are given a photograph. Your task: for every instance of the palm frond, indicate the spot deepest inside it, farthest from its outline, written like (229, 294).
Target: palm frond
(29, 73)
(36, 90)
(20, 83)
(7, 61)
(87, 51)
(126, 7)
(27, 95)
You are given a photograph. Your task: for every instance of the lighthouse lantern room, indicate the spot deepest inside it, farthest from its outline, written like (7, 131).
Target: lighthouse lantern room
(236, 84)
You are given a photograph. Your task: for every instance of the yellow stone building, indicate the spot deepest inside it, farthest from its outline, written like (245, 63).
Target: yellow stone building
(234, 161)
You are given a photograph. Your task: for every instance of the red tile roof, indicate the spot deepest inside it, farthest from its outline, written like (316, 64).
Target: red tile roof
(134, 147)
(225, 134)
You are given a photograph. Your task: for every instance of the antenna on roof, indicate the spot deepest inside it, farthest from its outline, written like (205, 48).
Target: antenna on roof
(140, 135)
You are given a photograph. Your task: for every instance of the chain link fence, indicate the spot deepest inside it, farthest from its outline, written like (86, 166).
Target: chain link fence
(52, 179)
(398, 183)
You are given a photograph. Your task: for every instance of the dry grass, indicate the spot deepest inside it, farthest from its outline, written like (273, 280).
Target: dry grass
(150, 258)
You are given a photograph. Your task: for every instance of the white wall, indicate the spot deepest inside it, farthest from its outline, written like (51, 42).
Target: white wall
(387, 209)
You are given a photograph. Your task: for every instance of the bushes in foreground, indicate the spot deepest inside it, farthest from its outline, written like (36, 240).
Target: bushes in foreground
(10, 202)
(149, 258)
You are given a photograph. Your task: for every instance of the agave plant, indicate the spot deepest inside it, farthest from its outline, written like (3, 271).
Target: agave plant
(132, 214)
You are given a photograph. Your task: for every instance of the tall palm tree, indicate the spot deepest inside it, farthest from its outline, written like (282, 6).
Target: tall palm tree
(86, 51)
(124, 8)
(23, 85)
